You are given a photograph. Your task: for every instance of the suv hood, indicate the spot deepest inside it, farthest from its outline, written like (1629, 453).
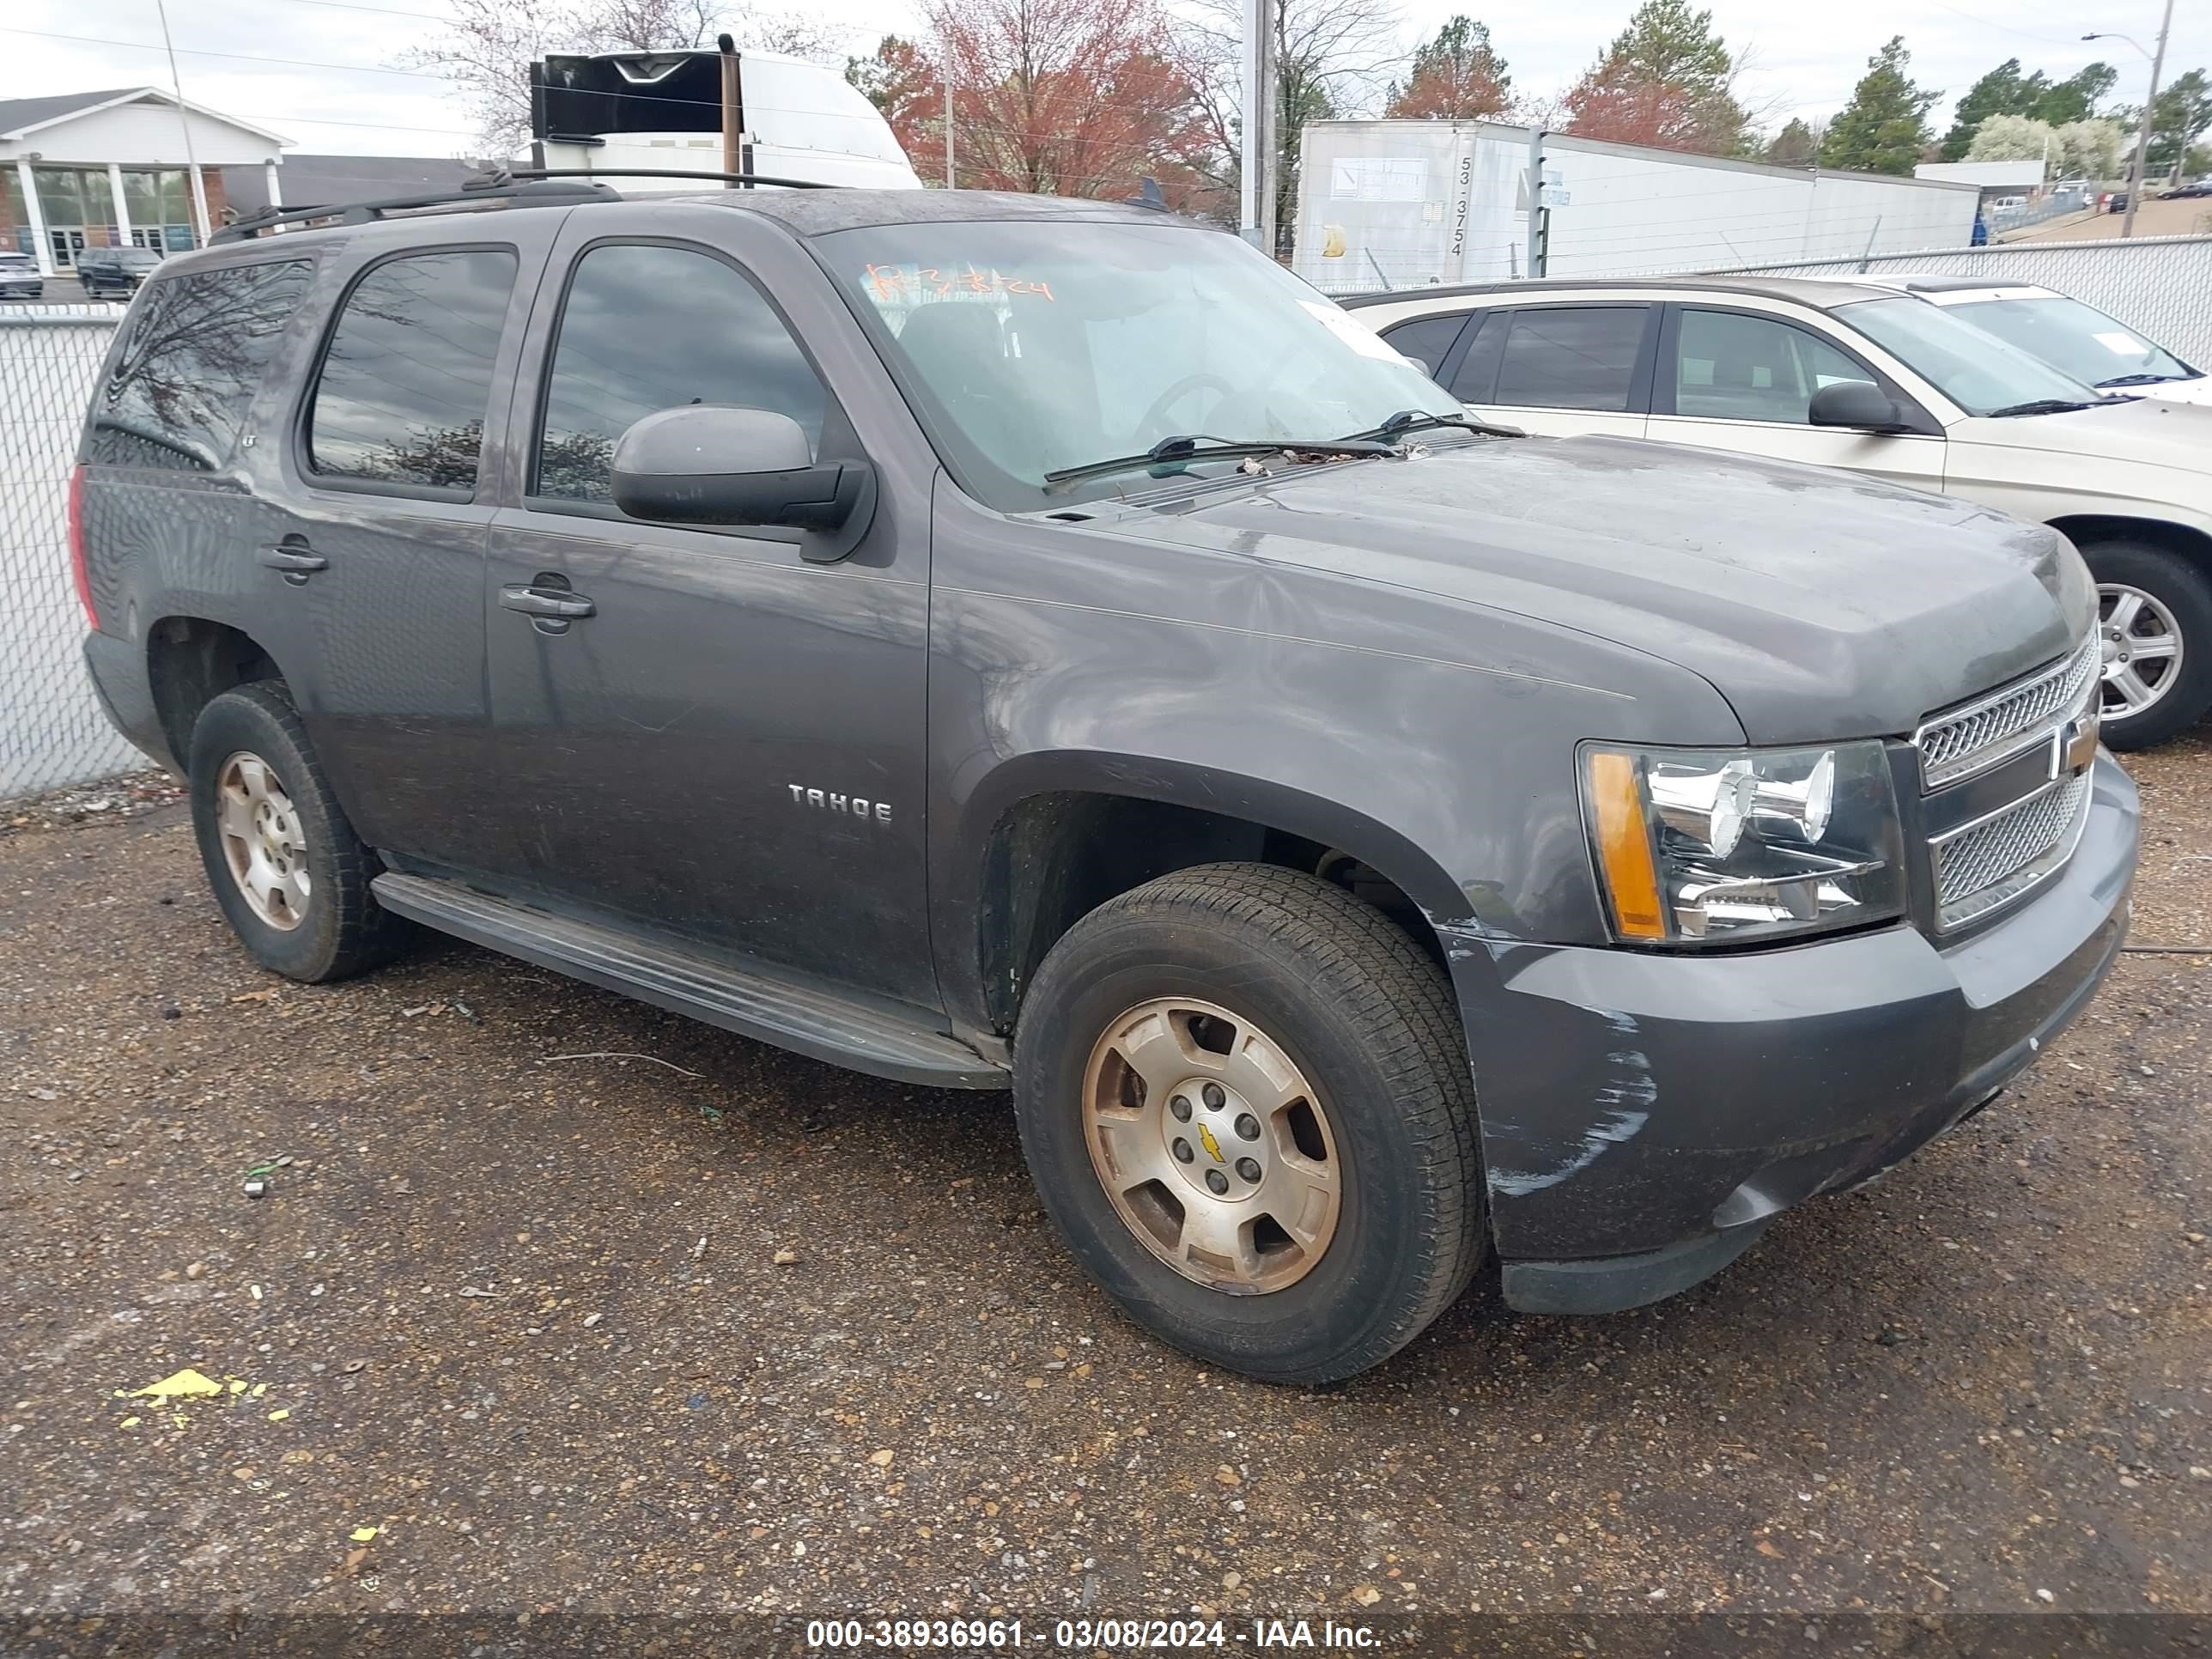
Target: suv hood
(1822, 605)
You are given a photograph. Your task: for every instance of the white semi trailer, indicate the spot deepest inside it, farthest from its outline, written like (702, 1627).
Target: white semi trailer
(1411, 204)
(613, 110)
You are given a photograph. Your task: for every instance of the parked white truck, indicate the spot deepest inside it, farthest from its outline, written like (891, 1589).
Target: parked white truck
(616, 112)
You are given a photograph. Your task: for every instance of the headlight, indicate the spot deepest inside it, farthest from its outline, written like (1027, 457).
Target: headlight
(1723, 847)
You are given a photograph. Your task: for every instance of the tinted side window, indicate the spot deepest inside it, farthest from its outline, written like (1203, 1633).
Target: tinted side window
(1581, 357)
(1731, 366)
(1476, 377)
(646, 329)
(1426, 340)
(179, 393)
(407, 376)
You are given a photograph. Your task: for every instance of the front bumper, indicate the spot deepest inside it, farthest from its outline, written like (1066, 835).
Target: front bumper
(1643, 1116)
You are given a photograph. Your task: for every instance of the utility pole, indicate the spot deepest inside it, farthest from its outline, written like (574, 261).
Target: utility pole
(1537, 220)
(2150, 115)
(2150, 112)
(192, 161)
(1257, 219)
(733, 111)
(949, 175)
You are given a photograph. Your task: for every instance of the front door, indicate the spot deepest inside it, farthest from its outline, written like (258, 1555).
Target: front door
(1742, 381)
(370, 548)
(712, 737)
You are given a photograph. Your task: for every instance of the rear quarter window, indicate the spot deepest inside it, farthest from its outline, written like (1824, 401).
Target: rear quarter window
(197, 347)
(406, 378)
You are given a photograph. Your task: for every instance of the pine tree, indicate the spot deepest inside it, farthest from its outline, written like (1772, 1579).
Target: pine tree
(1457, 76)
(2005, 91)
(2002, 91)
(1794, 146)
(1884, 126)
(1667, 80)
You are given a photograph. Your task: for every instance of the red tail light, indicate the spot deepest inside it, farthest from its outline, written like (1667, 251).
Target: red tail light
(77, 546)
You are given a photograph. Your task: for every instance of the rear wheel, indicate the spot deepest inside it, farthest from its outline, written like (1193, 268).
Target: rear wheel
(1245, 1101)
(288, 871)
(2155, 624)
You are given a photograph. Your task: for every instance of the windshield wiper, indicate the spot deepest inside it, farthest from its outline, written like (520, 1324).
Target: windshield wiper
(1408, 421)
(1186, 447)
(2049, 406)
(2138, 380)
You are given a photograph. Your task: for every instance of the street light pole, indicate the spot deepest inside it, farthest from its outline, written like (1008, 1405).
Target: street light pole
(2150, 113)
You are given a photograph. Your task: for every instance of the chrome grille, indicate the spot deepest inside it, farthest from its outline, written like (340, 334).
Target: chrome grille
(1986, 864)
(2008, 720)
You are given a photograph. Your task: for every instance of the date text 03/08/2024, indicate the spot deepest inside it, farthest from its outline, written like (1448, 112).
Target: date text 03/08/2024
(1084, 1635)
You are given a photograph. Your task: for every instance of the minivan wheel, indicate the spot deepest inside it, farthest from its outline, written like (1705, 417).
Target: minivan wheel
(1244, 1098)
(2155, 628)
(289, 872)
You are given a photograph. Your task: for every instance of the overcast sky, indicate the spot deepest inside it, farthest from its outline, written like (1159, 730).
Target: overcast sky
(1805, 58)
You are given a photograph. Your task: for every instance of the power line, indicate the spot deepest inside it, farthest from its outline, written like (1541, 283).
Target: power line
(382, 11)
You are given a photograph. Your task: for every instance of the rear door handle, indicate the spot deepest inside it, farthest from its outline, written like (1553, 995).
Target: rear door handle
(295, 558)
(547, 602)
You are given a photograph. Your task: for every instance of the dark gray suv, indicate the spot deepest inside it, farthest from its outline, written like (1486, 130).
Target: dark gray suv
(993, 642)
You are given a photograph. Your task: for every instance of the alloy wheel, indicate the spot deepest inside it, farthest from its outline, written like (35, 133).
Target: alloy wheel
(263, 844)
(2141, 646)
(1216, 1152)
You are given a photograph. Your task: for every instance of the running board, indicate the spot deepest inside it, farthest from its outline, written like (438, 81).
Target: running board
(806, 1019)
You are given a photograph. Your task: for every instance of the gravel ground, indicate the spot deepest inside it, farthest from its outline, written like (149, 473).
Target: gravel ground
(557, 1302)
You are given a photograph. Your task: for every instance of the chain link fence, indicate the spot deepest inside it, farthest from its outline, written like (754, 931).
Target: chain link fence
(52, 731)
(2159, 286)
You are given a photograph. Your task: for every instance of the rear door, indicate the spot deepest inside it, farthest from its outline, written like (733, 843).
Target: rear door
(373, 532)
(1740, 379)
(1560, 369)
(727, 746)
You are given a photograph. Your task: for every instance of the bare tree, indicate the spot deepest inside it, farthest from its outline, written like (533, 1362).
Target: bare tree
(1333, 57)
(487, 49)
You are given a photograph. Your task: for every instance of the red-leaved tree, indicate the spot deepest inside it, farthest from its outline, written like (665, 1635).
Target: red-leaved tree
(1457, 76)
(1066, 97)
(901, 80)
(1666, 80)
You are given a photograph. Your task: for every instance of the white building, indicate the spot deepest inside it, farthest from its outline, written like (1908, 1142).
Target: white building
(130, 166)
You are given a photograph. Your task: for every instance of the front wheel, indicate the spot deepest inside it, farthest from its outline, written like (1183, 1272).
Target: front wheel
(1246, 1103)
(2154, 624)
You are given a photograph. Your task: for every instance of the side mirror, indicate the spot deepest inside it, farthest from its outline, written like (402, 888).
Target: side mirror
(720, 464)
(1857, 404)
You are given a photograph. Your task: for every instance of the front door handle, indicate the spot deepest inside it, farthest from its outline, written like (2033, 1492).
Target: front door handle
(295, 558)
(547, 602)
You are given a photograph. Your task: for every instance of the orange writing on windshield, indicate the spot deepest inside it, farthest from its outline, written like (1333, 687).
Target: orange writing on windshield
(894, 284)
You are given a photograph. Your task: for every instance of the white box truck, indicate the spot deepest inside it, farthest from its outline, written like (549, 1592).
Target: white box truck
(1409, 203)
(609, 111)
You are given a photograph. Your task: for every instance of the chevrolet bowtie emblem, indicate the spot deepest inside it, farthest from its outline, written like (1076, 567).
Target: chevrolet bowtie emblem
(1213, 1146)
(2077, 745)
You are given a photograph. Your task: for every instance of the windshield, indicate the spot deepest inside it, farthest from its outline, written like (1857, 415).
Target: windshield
(1979, 372)
(2067, 335)
(1032, 346)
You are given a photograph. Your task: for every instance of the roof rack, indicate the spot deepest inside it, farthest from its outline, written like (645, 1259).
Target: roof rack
(523, 187)
(489, 188)
(504, 174)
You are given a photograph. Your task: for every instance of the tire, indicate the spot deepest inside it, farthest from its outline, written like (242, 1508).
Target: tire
(336, 928)
(2160, 580)
(1368, 1024)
